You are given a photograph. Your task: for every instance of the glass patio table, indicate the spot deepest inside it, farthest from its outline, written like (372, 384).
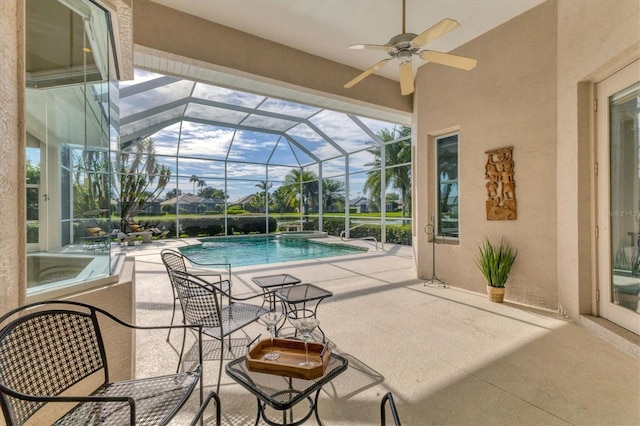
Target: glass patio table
(270, 283)
(302, 301)
(282, 392)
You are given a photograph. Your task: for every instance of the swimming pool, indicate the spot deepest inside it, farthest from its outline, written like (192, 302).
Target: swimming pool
(260, 250)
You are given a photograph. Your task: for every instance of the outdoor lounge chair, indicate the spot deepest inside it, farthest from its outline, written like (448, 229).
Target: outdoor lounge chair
(96, 238)
(134, 228)
(212, 272)
(124, 239)
(52, 355)
(200, 303)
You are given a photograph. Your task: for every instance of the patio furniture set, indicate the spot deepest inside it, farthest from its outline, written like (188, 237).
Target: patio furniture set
(49, 350)
(210, 303)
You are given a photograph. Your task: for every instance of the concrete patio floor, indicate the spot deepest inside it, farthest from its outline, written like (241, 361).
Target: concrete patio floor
(449, 356)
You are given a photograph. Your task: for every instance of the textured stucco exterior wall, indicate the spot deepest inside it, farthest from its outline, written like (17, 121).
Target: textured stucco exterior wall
(122, 17)
(531, 89)
(509, 99)
(595, 39)
(12, 154)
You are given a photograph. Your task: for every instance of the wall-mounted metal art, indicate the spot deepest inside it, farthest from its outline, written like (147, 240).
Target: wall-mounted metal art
(501, 185)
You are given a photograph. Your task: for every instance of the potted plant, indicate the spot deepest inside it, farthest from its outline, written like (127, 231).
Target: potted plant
(495, 262)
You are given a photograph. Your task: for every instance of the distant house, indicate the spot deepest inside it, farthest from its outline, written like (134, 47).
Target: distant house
(243, 203)
(193, 204)
(361, 204)
(152, 207)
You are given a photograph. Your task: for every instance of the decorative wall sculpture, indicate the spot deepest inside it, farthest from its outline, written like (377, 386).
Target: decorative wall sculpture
(501, 185)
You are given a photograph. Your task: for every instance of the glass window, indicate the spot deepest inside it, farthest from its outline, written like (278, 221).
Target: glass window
(33, 195)
(67, 119)
(625, 196)
(447, 169)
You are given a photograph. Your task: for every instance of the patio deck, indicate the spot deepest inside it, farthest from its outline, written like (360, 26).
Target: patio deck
(448, 355)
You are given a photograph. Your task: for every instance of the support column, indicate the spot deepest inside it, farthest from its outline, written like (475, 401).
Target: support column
(12, 156)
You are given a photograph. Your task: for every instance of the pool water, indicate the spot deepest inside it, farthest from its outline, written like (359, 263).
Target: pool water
(245, 251)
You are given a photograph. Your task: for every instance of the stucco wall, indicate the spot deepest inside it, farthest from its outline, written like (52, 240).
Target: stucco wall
(12, 139)
(595, 39)
(509, 99)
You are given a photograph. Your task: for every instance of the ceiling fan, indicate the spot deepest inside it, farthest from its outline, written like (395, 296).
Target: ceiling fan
(405, 45)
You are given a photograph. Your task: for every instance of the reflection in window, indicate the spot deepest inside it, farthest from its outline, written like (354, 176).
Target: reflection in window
(447, 169)
(67, 112)
(33, 195)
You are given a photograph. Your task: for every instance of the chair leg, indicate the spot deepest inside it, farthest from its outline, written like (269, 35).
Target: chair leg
(173, 315)
(184, 338)
(220, 367)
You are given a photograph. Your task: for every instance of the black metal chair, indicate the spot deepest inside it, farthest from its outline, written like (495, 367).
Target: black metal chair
(200, 303)
(392, 406)
(53, 353)
(174, 260)
(200, 414)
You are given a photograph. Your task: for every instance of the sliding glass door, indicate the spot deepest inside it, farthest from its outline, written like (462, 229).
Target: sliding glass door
(619, 197)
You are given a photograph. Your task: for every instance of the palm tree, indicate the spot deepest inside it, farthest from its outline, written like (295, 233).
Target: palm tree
(261, 201)
(280, 199)
(448, 162)
(332, 192)
(399, 177)
(309, 192)
(90, 181)
(264, 185)
(139, 172)
(258, 201)
(195, 179)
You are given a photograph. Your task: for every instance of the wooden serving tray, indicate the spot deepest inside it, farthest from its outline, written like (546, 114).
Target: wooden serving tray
(291, 353)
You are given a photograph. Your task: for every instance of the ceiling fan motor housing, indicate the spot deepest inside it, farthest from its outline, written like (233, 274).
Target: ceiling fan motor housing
(402, 46)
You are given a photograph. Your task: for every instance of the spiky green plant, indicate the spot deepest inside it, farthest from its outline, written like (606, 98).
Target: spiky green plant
(495, 261)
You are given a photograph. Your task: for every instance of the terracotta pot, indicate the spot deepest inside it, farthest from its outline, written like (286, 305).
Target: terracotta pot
(496, 294)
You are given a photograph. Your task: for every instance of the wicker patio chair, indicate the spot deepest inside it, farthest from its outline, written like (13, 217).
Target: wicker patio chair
(52, 353)
(201, 306)
(174, 260)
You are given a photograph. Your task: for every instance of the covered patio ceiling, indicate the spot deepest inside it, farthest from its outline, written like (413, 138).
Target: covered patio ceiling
(326, 28)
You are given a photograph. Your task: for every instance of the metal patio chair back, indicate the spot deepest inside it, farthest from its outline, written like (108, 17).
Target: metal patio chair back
(174, 260)
(201, 305)
(49, 350)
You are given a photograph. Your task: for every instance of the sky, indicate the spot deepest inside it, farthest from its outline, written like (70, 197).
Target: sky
(208, 135)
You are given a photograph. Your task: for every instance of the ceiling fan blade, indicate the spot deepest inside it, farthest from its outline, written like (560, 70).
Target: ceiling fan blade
(449, 59)
(436, 31)
(366, 73)
(406, 78)
(372, 46)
